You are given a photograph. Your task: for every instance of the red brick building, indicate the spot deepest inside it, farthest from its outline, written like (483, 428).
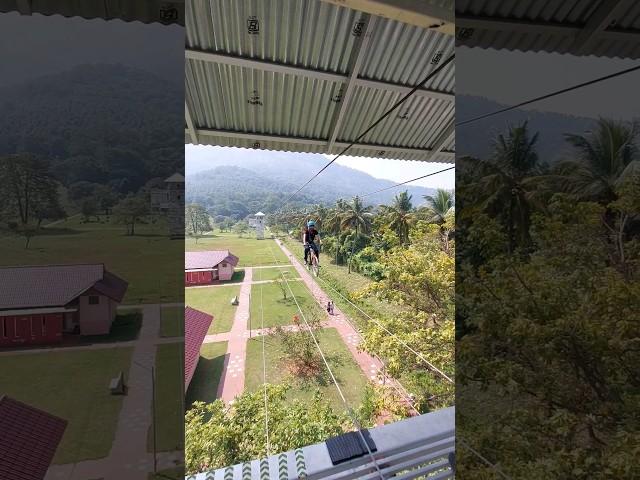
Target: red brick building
(38, 304)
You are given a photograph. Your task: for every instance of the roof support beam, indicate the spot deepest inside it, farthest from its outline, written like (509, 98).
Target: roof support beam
(321, 144)
(420, 13)
(190, 126)
(357, 56)
(598, 21)
(306, 72)
(443, 139)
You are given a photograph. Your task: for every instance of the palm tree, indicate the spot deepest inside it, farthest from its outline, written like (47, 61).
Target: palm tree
(440, 205)
(357, 216)
(400, 216)
(509, 182)
(605, 158)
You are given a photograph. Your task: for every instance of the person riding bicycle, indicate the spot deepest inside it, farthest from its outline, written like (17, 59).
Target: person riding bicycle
(309, 235)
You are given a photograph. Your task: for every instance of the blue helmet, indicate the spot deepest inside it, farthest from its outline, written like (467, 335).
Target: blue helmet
(311, 223)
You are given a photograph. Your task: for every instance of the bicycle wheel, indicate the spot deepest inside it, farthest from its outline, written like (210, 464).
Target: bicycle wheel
(315, 267)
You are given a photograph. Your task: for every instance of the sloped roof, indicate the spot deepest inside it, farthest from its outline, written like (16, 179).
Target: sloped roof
(259, 214)
(29, 438)
(310, 76)
(175, 178)
(579, 27)
(208, 259)
(55, 285)
(196, 325)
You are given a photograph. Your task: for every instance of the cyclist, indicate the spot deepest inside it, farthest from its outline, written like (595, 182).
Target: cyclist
(309, 235)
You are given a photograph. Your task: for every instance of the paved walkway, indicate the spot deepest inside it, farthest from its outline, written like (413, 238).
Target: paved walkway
(232, 379)
(129, 458)
(371, 366)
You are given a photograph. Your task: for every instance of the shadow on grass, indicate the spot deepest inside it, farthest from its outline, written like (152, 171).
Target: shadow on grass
(125, 328)
(52, 231)
(237, 276)
(205, 381)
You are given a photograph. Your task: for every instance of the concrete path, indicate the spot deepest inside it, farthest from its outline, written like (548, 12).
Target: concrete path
(371, 366)
(129, 458)
(232, 378)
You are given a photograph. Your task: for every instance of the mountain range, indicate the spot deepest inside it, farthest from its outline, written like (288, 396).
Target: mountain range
(102, 123)
(471, 139)
(220, 179)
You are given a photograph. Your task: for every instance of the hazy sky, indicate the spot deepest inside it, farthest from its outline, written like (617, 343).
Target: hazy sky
(37, 45)
(512, 77)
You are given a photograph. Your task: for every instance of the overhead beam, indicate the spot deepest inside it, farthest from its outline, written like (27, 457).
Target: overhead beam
(190, 127)
(443, 139)
(321, 144)
(421, 13)
(598, 21)
(357, 56)
(268, 66)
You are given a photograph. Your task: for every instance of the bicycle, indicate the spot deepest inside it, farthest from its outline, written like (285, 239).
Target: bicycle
(314, 264)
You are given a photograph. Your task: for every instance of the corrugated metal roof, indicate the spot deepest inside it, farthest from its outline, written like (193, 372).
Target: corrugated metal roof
(278, 79)
(196, 325)
(148, 11)
(583, 27)
(208, 259)
(29, 438)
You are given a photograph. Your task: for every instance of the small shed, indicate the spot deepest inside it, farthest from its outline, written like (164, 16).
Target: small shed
(202, 268)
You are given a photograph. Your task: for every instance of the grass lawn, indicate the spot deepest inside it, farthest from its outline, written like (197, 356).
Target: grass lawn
(277, 310)
(73, 385)
(149, 260)
(125, 328)
(204, 384)
(347, 372)
(248, 249)
(273, 273)
(169, 399)
(172, 322)
(215, 301)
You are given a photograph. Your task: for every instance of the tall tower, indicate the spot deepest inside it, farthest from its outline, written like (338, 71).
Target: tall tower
(259, 225)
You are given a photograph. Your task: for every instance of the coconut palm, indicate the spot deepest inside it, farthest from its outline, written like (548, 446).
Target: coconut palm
(605, 158)
(400, 216)
(358, 217)
(509, 182)
(439, 205)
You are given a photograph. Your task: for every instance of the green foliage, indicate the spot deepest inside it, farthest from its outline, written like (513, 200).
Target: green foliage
(217, 435)
(197, 221)
(130, 210)
(550, 326)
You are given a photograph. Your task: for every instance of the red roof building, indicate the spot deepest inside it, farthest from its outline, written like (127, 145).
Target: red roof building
(201, 268)
(40, 303)
(29, 438)
(196, 326)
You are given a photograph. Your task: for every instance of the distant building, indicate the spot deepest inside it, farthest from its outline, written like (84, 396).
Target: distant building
(259, 224)
(169, 201)
(196, 326)
(29, 438)
(202, 268)
(38, 304)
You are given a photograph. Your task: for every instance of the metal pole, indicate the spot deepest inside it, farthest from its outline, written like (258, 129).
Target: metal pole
(153, 410)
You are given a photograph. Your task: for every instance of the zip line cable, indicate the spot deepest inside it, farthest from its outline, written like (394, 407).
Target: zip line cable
(333, 378)
(376, 123)
(408, 181)
(264, 371)
(477, 454)
(549, 95)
